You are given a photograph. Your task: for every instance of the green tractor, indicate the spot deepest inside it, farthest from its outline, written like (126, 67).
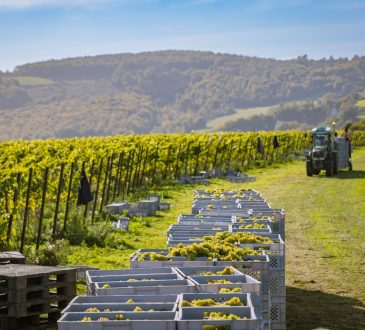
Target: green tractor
(327, 152)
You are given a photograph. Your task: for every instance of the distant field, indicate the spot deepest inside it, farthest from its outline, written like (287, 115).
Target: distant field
(219, 122)
(360, 103)
(33, 81)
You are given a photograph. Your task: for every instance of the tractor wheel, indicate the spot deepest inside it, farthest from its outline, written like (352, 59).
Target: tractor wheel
(329, 169)
(309, 168)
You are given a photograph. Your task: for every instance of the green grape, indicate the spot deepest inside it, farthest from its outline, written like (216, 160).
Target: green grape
(228, 290)
(226, 271)
(222, 281)
(185, 303)
(203, 302)
(235, 301)
(92, 310)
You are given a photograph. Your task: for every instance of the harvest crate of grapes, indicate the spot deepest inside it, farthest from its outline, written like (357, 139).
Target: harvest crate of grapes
(121, 307)
(201, 219)
(190, 231)
(167, 298)
(132, 278)
(228, 193)
(211, 270)
(140, 260)
(185, 227)
(217, 300)
(251, 228)
(118, 320)
(113, 275)
(235, 212)
(214, 283)
(235, 300)
(243, 318)
(276, 221)
(168, 286)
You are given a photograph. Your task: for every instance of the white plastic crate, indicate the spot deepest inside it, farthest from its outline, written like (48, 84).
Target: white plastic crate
(276, 248)
(199, 226)
(196, 220)
(277, 313)
(246, 283)
(254, 266)
(173, 262)
(138, 277)
(120, 307)
(145, 287)
(167, 298)
(196, 271)
(194, 319)
(259, 302)
(117, 207)
(136, 321)
(91, 274)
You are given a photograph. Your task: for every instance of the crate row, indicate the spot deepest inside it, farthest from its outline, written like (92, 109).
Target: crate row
(240, 212)
(183, 311)
(176, 281)
(165, 272)
(277, 245)
(199, 204)
(240, 178)
(200, 193)
(275, 219)
(266, 268)
(150, 281)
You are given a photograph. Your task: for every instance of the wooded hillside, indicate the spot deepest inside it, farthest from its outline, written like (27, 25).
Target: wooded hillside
(169, 91)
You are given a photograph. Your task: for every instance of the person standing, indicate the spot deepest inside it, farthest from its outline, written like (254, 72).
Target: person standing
(348, 138)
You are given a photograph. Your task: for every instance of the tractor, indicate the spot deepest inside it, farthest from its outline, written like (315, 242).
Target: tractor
(328, 152)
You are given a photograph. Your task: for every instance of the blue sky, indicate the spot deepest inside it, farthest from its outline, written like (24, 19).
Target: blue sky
(35, 30)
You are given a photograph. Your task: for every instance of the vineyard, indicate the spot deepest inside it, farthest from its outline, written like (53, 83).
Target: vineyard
(40, 180)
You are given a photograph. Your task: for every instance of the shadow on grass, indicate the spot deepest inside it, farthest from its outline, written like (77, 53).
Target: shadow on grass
(344, 174)
(307, 310)
(355, 174)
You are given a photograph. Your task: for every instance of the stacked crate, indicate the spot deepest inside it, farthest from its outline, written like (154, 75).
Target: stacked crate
(260, 278)
(151, 309)
(27, 292)
(252, 209)
(120, 312)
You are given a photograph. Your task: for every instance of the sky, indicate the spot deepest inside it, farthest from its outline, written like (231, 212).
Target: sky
(37, 30)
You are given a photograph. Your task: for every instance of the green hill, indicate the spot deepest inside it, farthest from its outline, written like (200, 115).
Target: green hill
(167, 91)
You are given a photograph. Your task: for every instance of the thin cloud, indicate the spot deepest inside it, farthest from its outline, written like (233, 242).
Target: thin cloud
(25, 4)
(261, 6)
(349, 5)
(193, 3)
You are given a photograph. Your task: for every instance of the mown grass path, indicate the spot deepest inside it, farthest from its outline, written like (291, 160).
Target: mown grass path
(325, 244)
(325, 240)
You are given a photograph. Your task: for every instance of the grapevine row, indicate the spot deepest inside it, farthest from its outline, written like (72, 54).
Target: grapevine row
(39, 180)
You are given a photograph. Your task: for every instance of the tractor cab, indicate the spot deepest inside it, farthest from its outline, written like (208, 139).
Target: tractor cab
(327, 152)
